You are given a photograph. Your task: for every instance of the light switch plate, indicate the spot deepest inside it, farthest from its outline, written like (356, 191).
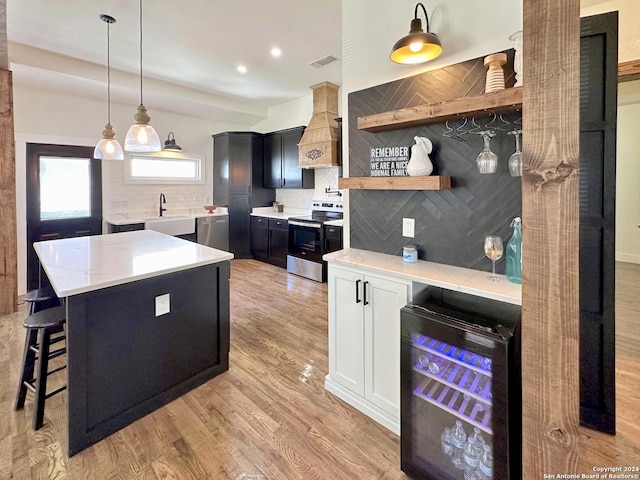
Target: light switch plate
(408, 227)
(163, 304)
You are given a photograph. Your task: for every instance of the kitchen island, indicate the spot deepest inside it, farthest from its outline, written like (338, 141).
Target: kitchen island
(147, 321)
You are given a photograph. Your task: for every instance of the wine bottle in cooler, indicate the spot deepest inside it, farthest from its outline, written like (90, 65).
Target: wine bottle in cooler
(458, 440)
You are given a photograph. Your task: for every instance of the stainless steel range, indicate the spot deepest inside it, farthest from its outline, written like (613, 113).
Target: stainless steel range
(307, 243)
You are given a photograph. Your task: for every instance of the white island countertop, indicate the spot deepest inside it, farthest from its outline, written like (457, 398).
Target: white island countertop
(84, 264)
(474, 282)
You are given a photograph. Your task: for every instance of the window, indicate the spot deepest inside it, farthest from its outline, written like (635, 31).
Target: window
(57, 200)
(164, 168)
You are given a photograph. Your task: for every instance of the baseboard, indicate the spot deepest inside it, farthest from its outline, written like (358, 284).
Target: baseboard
(627, 257)
(372, 411)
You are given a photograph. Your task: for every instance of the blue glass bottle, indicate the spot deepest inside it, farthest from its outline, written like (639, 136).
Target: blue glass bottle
(514, 252)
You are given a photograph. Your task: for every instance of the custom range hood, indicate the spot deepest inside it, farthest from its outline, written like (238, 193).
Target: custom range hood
(318, 146)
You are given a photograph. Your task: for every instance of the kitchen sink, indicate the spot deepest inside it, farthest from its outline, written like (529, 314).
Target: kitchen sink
(178, 225)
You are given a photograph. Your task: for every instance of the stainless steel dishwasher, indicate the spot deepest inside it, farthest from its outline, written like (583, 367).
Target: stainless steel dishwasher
(213, 231)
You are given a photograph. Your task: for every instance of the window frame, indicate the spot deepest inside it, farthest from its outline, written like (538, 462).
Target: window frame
(164, 156)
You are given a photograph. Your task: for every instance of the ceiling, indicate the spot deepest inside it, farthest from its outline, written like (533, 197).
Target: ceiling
(191, 49)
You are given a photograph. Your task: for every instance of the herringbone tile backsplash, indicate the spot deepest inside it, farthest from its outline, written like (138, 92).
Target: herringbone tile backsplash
(450, 224)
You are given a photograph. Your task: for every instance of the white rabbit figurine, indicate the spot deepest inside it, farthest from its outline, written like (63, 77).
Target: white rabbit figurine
(420, 163)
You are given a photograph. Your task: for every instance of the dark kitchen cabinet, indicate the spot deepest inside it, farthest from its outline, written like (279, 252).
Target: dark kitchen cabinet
(260, 238)
(238, 184)
(278, 241)
(281, 161)
(332, 238)
(270, 240)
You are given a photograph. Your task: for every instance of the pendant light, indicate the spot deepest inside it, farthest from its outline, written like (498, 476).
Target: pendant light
(108, 148)
(141, 136)
(417, 46)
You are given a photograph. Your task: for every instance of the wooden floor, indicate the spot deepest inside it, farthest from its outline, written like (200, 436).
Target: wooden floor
(269, 416)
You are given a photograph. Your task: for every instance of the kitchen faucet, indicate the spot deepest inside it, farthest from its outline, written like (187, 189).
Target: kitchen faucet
(162, 200)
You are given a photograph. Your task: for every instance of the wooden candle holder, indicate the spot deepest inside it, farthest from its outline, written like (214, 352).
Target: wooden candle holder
(495, 74)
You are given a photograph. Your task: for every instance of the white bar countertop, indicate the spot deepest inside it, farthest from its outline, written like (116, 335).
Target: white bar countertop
(270, 212)
(474, 282)
(84, 264)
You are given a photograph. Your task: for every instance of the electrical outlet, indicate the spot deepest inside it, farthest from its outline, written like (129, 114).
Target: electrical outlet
(408, 227)
(163, 305)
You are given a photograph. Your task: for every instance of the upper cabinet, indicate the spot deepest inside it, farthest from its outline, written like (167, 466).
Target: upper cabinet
(281, 161)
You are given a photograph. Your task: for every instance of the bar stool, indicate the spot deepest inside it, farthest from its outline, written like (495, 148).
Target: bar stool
(37, 353)
(41, 298)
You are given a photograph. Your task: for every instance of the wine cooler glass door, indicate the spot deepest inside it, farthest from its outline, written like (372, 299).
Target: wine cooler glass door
(454, 400)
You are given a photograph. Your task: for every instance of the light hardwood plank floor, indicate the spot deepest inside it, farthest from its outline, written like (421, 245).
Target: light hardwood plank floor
(269, 416)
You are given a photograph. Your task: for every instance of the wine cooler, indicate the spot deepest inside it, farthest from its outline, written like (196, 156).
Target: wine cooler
(461, 398)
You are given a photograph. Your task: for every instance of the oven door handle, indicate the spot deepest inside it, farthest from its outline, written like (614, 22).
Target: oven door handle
(305, 224)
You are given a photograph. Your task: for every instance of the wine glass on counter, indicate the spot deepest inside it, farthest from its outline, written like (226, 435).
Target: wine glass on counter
(493, 249)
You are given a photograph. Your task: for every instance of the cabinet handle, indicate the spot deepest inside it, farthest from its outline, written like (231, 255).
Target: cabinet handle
(364, 292)
(358, 291)
(284, 182)
(266, 233)
(326, 244)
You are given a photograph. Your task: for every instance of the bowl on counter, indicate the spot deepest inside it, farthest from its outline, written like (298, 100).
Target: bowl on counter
(210, 208)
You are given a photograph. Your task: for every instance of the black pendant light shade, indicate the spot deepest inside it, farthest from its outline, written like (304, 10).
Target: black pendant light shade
(417, 46)
(170, 143)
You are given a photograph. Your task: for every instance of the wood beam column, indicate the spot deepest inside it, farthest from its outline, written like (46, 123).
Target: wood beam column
(8, 238)
(550, 317)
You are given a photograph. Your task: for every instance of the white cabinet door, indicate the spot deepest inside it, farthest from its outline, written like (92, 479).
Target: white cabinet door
(346, 332)
(384, 299)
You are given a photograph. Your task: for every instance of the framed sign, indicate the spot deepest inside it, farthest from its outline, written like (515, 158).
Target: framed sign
(389, 161)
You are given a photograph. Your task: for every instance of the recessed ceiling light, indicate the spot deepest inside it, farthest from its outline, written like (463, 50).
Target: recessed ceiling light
(242, 69)
(276, 52)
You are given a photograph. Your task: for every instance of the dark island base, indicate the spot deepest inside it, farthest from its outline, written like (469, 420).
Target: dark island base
(124, 362)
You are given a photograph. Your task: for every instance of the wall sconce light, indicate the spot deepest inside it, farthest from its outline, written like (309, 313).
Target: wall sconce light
(170, 143)
(417, 46)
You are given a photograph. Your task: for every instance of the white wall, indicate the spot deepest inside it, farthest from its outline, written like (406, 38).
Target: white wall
(628, 43)
(52, 117)
(628, 174)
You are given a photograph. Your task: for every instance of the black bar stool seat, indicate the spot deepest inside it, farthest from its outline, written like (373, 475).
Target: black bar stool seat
(37, 353)
(41, 298)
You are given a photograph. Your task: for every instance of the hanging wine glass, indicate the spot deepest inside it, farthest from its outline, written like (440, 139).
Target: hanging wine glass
(487, 161)
(515, 161)
(493, 249)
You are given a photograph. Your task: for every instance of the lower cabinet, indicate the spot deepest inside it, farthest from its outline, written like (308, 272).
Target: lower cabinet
(364, 342)
(270, 240)
(129, 227)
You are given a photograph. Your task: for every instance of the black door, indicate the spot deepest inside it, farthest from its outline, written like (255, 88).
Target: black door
(64, 198)
(598, 116)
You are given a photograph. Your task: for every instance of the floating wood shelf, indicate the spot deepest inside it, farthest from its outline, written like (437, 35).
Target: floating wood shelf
(503, 101)
(395, 183)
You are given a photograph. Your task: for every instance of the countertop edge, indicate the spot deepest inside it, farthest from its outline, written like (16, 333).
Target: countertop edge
(465, 280)
(135, 278)
(217, 256)
(134, 220)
